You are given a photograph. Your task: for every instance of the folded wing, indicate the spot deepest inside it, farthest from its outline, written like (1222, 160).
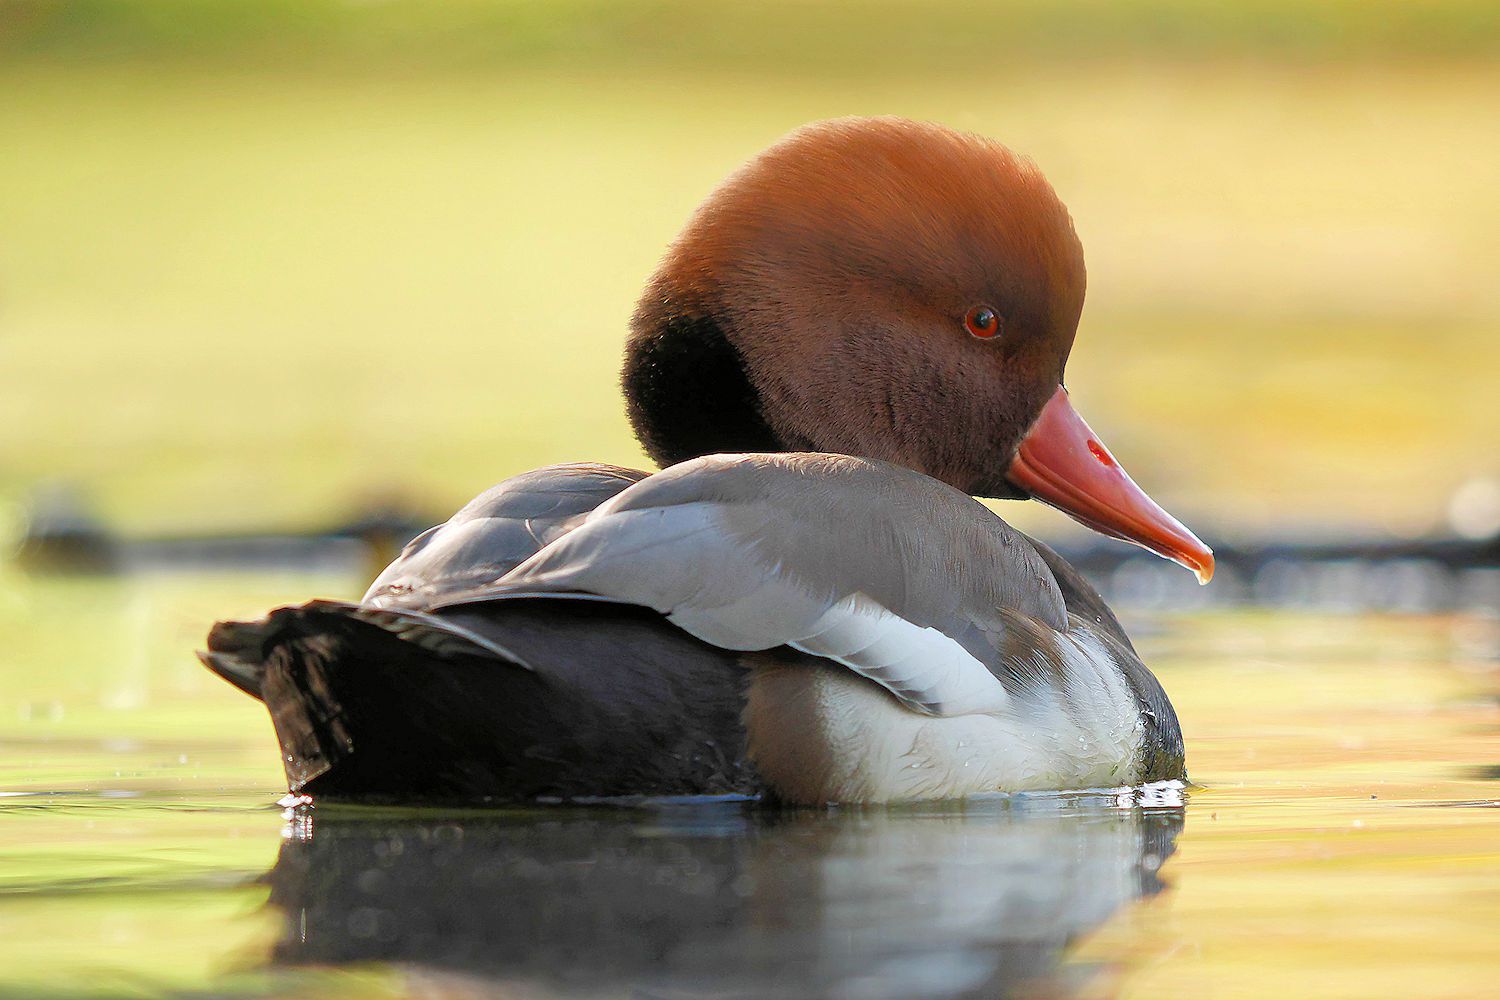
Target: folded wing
(890, 573)
(495, 532)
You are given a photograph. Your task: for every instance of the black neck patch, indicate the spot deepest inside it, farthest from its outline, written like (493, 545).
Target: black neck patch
(687, 393)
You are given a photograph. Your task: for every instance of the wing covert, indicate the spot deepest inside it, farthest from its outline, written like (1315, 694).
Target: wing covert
(495, 532)
(890, 573)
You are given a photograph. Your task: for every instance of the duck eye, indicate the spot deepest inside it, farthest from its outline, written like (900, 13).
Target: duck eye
(982, 321)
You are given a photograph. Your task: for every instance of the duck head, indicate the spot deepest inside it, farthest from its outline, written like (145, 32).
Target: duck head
(894, 290)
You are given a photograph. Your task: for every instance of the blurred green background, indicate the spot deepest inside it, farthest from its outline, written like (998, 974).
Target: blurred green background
(262, 264)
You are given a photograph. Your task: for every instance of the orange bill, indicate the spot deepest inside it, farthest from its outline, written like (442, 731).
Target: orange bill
(1062, 462)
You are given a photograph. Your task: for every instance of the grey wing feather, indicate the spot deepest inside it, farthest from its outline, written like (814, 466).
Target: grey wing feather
(436, 635)
(889, 572)
(237, 650)
(827, 523)
(1080, 596)
(495, 532)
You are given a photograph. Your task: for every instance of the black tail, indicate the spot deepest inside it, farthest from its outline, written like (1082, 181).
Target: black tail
(513, 699)
(237, 651)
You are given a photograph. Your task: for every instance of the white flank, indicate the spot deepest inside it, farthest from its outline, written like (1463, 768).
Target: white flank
(925, 669)
(821, 735)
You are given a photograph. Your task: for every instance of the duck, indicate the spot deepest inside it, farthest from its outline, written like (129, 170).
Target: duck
(858, 333)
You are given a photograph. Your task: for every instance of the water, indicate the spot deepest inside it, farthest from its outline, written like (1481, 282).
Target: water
(1343, 841)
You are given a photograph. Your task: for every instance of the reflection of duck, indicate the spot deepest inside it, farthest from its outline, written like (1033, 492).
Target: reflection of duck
(866, 287)
(710, 901)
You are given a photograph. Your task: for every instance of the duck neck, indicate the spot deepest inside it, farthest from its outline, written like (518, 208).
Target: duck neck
(687, 391)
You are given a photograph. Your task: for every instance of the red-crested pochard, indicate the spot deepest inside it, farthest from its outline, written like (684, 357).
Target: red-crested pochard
(856, 333)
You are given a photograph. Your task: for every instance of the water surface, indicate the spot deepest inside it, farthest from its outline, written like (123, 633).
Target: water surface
(1343, 841)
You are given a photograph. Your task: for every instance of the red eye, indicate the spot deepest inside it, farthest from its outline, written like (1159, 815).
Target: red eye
(982, 321)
